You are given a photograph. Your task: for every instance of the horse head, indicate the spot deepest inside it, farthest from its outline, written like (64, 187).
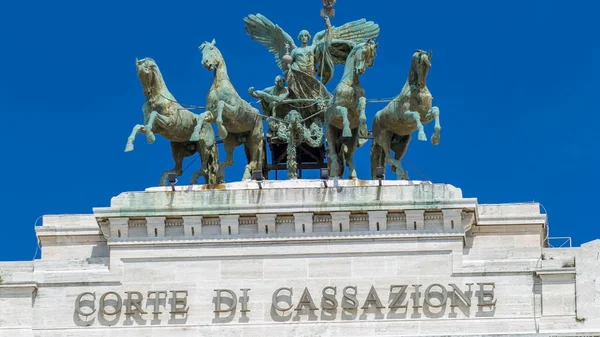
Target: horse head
(419, 67)
(211, 57)
(364, 56)
(149, 74)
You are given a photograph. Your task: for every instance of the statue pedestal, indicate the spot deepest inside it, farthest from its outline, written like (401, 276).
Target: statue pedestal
(298, 258)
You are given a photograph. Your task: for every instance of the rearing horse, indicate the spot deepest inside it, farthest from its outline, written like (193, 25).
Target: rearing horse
(238, 122)
(393, 126)
(346, 116)
(163, 115)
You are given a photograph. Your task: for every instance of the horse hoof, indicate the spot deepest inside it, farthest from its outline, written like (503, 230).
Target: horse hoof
(347, 133)
(435, 140)
(422, 136)
(151, 138)
(129, 147)
(403, 175)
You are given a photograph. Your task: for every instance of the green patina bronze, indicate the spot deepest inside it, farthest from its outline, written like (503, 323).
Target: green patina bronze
(346, 117)
(295, 113)
(306, 100)
(405, 114)
(164, 116)
(237, 121)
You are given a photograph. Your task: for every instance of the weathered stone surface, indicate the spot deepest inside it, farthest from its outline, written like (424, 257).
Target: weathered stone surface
(495, 247)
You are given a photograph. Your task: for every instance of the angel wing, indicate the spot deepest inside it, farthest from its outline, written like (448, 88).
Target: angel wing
(269, 35)
(343, 39)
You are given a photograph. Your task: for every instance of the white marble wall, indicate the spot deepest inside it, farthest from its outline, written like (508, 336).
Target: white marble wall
(536, 289)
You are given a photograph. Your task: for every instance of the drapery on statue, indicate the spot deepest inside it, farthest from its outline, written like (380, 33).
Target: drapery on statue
(393, 126)
(347, 114)
(238, 122)
(163, 115)
(302, 63)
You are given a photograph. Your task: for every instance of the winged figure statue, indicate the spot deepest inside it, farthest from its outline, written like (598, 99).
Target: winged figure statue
(301, 64)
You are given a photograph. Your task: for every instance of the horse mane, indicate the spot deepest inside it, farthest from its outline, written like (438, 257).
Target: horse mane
(417, 73)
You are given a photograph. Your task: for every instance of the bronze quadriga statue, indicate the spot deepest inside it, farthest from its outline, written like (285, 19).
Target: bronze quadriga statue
(303, 112)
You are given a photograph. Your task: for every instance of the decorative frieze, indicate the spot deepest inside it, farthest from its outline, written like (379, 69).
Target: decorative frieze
(199, 226)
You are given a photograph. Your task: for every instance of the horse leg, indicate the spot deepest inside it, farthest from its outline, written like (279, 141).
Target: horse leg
(332, 156)
(229, 143)
(362, 107)
(351, 147)
(385, 140)
(178, 153)
(435, 111)
(254, 146)
(136, 129)
(197, 128)
(148, 127)
(343, 112)
(417, 118)
(219, 120)
(399, 149)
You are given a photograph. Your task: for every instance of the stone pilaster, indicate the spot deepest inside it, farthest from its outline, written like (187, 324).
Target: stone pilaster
(377, 220)
(452, 219)
(415, 219)
(155, 225)
(340, 221)
(230, 224)
(119, 227)
(192, 225)
(303, 222)
(266, 223)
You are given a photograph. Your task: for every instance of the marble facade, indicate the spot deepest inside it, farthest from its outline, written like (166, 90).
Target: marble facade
(301, 258)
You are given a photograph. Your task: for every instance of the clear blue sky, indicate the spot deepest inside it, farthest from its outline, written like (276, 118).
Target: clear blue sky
(516, 83)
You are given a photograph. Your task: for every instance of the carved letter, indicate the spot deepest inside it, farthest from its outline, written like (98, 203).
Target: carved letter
(275, 302)
(349, 301)
(306, 300)
(179, 300)
(329, 302)
(372, 299)
(486, 297)
(444, 293)
(134, 303)
(417, 297)
(244, 300)
(218, 300)
(78, 304)
(157, 300)
(396, 297)
(117, 306)
(456, 291)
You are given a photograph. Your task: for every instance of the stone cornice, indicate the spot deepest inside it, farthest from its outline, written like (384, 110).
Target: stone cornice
(303, 196)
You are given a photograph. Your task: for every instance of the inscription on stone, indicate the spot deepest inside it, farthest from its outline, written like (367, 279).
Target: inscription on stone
(107, 308)
(172, 306)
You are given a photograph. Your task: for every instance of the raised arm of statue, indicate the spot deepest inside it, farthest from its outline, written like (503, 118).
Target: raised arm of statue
(260, 94)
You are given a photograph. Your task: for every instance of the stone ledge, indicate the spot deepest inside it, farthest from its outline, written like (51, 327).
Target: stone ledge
(312, 237)
(19, 285)
(301, 196)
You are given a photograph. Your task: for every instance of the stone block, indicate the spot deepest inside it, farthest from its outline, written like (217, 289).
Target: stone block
(230, 224)
(192, 225)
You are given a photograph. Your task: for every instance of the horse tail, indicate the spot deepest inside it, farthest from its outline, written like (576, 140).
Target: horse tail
(377, 158)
